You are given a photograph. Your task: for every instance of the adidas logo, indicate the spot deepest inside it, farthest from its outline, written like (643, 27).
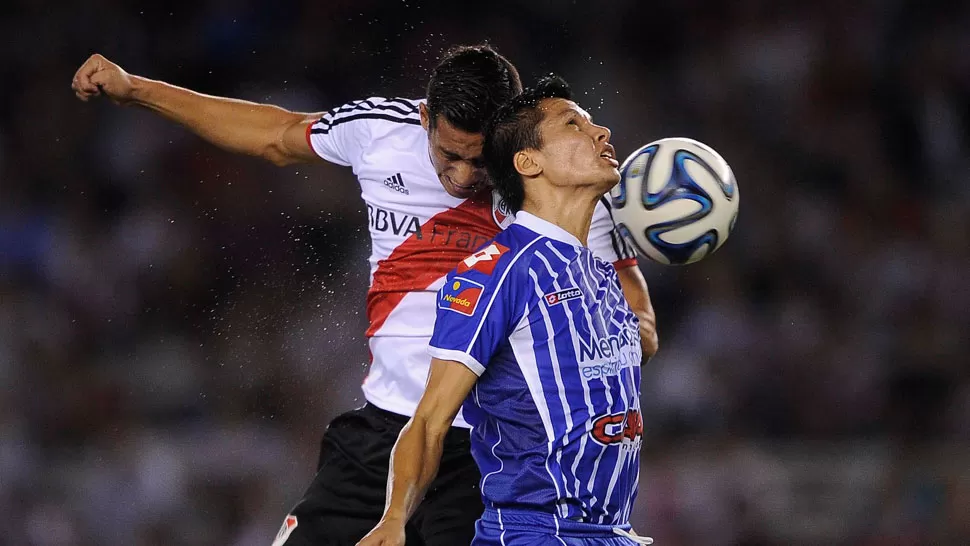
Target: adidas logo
(396, 183)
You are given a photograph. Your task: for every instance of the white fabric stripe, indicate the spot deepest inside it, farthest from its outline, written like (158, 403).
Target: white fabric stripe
(381, 105)
(501, 467)
(574, 336)
(634, 461)
(468, 360)
(496, 290)
(586, 394)
(612, 298)
(636, 484)
(561, 541)
(554, 356)
(625, 396)
(609, 396)
(614, 294)
(620, 463)
(363, 107)
(630, 381)
(523, 347)
(327, 122)
(623, 514)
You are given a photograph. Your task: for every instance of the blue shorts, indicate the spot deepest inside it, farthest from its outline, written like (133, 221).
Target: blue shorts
(524, 528)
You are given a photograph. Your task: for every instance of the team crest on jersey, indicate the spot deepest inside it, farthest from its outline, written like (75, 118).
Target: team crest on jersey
(501, 212)
(461, 295)
(289, 524)
(484, 260)
(555, 298)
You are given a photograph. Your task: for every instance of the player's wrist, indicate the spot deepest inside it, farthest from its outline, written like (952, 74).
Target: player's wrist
(140, 91)
(394, 519)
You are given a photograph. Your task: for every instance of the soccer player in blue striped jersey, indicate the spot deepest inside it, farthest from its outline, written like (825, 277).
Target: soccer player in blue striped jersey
(534, 336)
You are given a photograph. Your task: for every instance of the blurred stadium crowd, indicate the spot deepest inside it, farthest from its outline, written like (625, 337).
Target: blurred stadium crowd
(177, 325)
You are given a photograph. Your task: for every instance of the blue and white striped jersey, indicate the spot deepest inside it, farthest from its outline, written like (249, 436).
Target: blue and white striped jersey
(556, 409)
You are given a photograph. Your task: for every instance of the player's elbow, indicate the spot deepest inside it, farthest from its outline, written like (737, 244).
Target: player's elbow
(287, 144)
(277, 156)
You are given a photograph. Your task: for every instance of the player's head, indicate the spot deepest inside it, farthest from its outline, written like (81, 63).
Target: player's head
(466, 88)
(543, 134)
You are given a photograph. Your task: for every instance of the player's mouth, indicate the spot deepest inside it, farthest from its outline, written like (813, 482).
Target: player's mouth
(464, 188)
(609, 154)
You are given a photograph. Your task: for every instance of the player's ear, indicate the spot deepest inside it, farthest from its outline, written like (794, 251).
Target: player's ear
(526, 164)
(425, 120)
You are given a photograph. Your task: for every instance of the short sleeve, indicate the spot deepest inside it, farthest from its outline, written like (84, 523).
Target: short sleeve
(478, 307)
(338, 136)
(341, 135)
(606, 242)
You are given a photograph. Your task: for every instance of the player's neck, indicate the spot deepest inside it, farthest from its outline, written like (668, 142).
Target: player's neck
(570, 211)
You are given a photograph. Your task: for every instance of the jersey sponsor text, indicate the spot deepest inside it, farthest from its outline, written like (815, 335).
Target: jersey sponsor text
(608, 348)
(383, 220)
(461, 296)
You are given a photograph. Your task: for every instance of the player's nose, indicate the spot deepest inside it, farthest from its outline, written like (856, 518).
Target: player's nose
(469, 174)
(601, 132)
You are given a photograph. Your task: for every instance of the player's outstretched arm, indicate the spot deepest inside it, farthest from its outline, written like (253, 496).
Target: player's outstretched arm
(261, 130)
(417, 453)
(638, 296)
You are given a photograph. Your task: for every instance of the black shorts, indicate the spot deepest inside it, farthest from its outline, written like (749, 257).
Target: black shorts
(346, 498)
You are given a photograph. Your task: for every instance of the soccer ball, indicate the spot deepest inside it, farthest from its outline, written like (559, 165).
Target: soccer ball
(677, 200)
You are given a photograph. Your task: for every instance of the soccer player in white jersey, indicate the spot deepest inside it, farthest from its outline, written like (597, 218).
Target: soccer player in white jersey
(539, 344)
(429, 204)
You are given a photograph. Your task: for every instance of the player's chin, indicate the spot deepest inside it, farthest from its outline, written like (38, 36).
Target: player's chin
(611, 176)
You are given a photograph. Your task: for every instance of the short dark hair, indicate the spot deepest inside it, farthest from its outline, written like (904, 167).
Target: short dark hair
(469, 84)
(513, 128)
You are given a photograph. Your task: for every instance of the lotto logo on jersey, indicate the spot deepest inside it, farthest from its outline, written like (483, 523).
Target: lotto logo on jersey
(555, 298)
(484, 260)
(461, 296)
(618, 428)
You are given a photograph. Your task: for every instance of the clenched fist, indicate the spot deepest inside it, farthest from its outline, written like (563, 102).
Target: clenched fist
(99, 75)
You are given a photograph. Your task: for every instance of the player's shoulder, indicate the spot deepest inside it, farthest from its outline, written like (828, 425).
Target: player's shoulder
(375, 113)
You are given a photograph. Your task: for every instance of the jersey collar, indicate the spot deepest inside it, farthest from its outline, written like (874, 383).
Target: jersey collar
(545, 228)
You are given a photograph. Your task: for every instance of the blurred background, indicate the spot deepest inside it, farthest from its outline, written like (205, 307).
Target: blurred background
(178, 325)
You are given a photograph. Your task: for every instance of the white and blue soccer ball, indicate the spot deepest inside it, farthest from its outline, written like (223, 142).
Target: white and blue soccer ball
(677, 200)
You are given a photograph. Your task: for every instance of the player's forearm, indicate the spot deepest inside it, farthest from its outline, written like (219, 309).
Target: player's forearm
(235, 125)
(414, 464)
(649, 341)
(638, 297)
